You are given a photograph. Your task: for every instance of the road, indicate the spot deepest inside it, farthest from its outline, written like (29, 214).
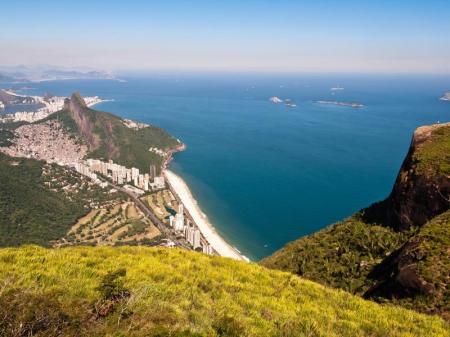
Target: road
(167, 232)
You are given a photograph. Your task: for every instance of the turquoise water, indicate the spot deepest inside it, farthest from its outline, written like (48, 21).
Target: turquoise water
(266, 174)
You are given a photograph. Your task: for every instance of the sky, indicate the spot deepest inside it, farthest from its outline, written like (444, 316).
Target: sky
(362, 36)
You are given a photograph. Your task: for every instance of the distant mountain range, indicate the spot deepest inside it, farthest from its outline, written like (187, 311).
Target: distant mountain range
(24, 73)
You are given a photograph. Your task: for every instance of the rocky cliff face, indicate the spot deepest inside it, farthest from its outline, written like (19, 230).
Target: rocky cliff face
(422, 188)
(77, 108)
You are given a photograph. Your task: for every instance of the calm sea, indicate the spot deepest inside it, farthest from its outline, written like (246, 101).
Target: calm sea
(266, 174)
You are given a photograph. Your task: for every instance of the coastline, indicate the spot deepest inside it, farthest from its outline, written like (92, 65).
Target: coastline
(181, 189)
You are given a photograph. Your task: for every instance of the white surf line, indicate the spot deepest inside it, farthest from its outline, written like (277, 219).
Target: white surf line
(181, 189)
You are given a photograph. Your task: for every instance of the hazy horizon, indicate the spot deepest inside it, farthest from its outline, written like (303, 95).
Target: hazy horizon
(255, 36)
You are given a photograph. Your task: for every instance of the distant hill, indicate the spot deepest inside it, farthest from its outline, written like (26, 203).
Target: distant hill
(24, 73)
(108, 137)
(136, 291)
(396, 250)
(8, 99)
(6, 78)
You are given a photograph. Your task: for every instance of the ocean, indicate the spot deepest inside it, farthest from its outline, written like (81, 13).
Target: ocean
(264, 173)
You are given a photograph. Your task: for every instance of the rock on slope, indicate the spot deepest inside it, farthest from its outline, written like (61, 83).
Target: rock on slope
(422, 188)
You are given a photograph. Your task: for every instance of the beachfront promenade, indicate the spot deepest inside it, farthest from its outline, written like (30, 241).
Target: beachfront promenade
(181, 191)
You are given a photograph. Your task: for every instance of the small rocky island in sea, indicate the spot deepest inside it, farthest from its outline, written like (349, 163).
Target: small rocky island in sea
(348, 104)
(288, 102)
(446, 96)
(275, 100)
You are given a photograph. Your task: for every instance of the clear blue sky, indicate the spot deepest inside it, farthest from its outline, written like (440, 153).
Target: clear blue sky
(317, 36)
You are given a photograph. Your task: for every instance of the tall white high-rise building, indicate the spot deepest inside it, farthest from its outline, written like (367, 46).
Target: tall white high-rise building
(196, 239)
(179, 222)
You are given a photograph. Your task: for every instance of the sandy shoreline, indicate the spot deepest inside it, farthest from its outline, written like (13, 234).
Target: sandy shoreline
(207, 229)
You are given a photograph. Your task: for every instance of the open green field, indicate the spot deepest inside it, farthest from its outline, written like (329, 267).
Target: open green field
(120, 223)
(137, 291)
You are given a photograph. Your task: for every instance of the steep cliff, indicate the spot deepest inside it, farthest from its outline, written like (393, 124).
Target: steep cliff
(109, 137)
(378, 251)
(84, 119)
(422, 188)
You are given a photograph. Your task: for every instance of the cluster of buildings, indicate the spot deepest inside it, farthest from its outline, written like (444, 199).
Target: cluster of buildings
(159, 152)
(121, 175)
(134, 125)
(2, 106)
(86, 171)
(47, 141)
(192, 234)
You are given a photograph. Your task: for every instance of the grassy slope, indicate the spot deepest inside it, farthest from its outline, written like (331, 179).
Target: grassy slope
(30, 212)
(168, 292)
(434, 155)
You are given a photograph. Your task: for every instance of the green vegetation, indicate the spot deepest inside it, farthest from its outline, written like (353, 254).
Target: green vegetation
(132, 146)
(346, 255)
(136, 291)
(40, 202)
(110, 225)
(433, 156)
(109, 138)
(12, 125)
(339, 256)
(432, 256)
(5, 137)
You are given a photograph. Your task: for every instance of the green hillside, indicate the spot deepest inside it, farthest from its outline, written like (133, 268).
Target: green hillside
(39, 202)
(137, 291)
(424, 262)
(107, 136)
(341, 255)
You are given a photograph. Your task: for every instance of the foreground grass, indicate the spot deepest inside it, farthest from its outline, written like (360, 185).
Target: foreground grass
(433, 157)
(136, 291)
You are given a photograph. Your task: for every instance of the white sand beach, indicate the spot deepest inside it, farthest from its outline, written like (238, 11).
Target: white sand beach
(208, 231)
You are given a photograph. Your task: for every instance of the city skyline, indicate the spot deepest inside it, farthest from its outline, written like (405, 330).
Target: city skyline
(349, 36)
